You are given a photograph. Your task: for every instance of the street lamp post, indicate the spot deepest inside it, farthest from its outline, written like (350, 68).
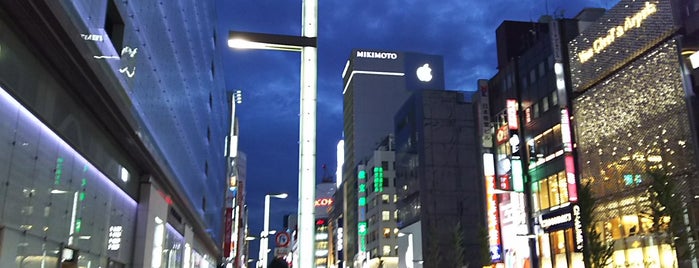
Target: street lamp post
(264, 236)
(307, 45)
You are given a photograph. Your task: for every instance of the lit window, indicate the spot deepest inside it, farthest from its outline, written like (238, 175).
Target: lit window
(385, 198)
(385, 215)
(387, 232)
(386, 251)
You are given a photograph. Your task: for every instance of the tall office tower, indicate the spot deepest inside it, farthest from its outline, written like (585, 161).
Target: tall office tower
(636, 128)
(115, 117)
(441, 202)
(528, 132)
(376, 83)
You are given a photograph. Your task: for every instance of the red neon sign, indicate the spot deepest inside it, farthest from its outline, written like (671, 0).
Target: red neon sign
(504, 182)
(228, 233)
(323, 202)
(502, 135)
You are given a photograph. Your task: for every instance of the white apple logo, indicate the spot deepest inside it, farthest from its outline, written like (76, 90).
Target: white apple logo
(424, 73)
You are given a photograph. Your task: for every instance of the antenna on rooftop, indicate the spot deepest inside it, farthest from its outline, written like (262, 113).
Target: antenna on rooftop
(326, 176)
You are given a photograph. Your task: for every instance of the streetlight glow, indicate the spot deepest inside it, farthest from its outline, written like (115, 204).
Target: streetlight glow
(280, 196)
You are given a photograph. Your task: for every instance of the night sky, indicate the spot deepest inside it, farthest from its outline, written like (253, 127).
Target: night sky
(462, 31)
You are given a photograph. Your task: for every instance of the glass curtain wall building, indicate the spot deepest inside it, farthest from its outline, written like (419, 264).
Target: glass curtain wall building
(113, 131)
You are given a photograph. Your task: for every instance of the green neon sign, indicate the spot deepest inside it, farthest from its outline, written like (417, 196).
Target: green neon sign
(362, 174)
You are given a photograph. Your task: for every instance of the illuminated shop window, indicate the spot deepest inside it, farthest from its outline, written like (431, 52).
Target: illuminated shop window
(548, 143)
(544, 194)
(563, 186)
(554, 190)
(551, 191)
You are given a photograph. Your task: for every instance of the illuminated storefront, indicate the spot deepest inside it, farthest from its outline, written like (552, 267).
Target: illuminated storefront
(632, 116)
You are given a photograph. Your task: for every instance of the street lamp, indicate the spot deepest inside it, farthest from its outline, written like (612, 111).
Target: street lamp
(307, 45)
(264, 236)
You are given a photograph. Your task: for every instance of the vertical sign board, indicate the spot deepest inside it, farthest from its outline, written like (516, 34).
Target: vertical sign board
(577, 229)
(494, 241)
(512, 121)
(565, 131)
(486, 128)
(361, 218)
(228, 232)
(570, 178)
(569, 160)
(517, 176)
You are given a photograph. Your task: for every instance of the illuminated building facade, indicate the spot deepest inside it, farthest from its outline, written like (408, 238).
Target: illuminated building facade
(376, 84)
(635, 112)
(528, 153)
(381, 210)
(323, 204)
(441, 202)
(115, 117)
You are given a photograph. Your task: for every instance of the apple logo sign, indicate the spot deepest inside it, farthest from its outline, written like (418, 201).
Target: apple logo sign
(424, 73)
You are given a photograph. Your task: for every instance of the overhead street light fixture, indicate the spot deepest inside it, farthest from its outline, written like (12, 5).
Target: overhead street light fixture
(280, 195)
(250, 40)
(307, 45)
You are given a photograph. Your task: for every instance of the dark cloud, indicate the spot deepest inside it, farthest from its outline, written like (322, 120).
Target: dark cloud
(462, 31)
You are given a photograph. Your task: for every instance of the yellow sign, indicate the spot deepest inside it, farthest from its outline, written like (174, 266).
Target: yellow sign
(613, 33)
